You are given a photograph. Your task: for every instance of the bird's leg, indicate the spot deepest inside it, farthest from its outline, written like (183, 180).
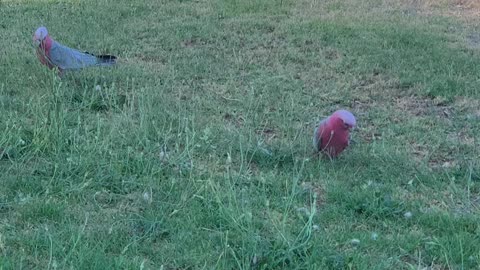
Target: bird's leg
(315, 154)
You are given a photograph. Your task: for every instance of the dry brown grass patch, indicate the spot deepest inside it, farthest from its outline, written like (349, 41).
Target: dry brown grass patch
(464, 9)
(419, 106)
(267, 133)
(234, 120)
(462, 137)
(317, 191)
(468, 106)
(466, 4)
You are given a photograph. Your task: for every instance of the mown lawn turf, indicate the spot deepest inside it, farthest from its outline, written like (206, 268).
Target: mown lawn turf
(194, 152)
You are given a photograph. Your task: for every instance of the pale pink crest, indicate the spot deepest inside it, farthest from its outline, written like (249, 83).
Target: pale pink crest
(40, 34)
(346, 116)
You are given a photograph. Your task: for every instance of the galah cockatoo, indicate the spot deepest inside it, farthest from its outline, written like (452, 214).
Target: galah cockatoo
(53, 54)
(332, 135)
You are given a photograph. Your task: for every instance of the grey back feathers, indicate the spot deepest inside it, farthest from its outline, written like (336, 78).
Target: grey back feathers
(68, 58)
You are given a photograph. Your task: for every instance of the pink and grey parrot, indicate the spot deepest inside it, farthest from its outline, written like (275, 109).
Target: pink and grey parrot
(332, 135)
(53, 54)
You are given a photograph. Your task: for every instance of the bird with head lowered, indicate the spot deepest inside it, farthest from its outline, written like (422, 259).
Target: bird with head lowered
(332, 135)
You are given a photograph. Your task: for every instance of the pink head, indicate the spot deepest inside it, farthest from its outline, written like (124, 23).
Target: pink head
(345, 118)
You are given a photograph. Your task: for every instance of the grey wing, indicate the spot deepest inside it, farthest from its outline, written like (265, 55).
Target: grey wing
(68, 58)
(317, 138)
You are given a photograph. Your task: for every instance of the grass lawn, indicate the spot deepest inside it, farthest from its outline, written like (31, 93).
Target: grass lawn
(195, 151)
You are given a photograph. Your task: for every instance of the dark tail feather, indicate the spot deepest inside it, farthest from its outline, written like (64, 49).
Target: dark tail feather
(105, 59)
